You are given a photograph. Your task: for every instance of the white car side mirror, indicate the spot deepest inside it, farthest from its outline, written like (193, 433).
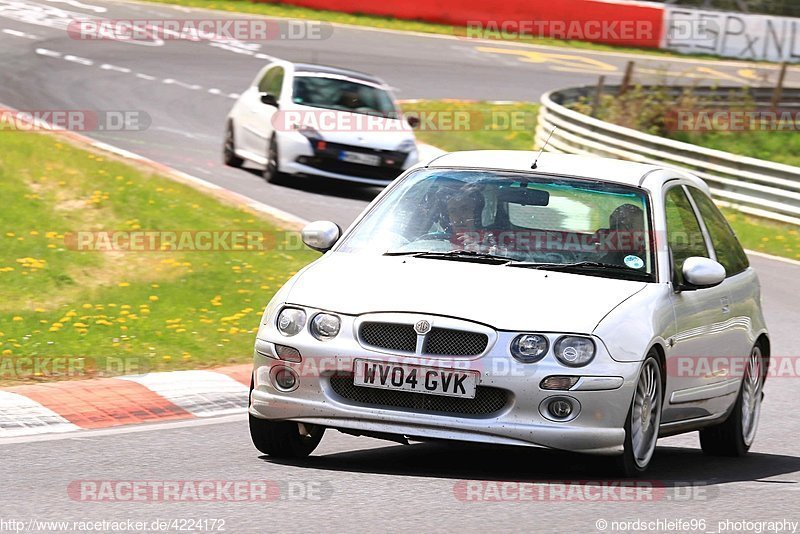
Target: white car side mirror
(321, 235)
(702, 272)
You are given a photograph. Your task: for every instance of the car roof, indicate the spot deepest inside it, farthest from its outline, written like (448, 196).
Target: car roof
(580, 166)
(326, 69)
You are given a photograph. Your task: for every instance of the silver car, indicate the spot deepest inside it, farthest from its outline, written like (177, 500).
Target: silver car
(584, 304)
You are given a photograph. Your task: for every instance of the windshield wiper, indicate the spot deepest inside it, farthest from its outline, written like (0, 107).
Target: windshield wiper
(458, 255)
(583, 266)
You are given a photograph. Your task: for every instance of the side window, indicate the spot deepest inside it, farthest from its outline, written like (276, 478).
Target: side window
(683, 231)
(729, 252)
(271, 82)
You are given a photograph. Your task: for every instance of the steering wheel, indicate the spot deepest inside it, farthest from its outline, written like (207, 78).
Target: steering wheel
(433, 236)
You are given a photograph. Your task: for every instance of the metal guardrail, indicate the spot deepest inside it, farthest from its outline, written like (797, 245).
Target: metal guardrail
(750, 185)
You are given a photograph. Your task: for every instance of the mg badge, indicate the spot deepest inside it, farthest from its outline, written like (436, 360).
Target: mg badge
(422, 327)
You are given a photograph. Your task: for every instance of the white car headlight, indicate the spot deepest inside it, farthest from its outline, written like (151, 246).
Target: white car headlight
(291, 321)
(407, 146)
(574, 351)
(529, 348)
(325, 326)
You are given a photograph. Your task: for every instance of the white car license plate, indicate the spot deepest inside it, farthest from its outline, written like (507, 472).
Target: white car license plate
(435, 381)
(358, 157)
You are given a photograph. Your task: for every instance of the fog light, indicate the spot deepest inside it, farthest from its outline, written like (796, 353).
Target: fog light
(284, 379)
(560, 408)
(559, 382)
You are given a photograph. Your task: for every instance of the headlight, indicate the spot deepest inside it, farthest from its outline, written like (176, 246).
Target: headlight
(529, 348)
(574, 351)
(407, 146)
(325, 326)
(291, 321)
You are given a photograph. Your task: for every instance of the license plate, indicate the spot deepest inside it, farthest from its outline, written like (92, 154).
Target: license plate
(402, 377)
(358, 157)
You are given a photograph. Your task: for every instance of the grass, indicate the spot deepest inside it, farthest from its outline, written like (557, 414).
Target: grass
(167, 309)
(763, 235)
(272, 9)
(487, 126)
(778, 146)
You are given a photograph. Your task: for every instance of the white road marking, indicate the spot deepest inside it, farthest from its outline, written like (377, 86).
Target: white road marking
(21, 416)
(106, 66)
(215, 91)
(771, 257)
(48, 53)
(234, 95)
(145, 76)
(80, 5)
(79, 60)
(201, 393)
(17, 33)
(265, 56)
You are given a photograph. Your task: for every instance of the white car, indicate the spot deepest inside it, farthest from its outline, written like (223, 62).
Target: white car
(589, 305)
(301, 119)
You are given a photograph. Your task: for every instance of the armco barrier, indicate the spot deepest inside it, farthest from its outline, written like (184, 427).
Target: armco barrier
(751, 185)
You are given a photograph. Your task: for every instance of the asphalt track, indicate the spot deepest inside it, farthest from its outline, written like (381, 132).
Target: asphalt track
(356, 484)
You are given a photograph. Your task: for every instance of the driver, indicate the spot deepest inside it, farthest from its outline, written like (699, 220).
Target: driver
(465, 209)
(626, 224)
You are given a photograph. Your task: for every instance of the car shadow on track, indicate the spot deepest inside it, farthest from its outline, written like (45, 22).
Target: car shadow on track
(328, 187)
(670, 465)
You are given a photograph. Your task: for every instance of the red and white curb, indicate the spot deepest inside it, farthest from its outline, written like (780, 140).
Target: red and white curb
(69, 406)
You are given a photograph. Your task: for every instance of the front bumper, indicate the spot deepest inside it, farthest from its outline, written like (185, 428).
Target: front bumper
(597, 428)
(298, 157)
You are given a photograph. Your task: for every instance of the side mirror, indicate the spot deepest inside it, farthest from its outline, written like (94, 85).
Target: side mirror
(700, 273)
(269, 99)
(412, 121)
(321, 235)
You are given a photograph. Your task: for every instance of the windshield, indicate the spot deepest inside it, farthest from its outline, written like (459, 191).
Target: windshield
(524, 217)
(342, 94)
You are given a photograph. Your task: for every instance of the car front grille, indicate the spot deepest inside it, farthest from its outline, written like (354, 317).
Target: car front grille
(447, 342)
(391, 336)
(438, 342)
(487, 400)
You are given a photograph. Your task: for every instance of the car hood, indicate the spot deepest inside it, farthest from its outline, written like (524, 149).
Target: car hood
(505, 298)
(355, 129)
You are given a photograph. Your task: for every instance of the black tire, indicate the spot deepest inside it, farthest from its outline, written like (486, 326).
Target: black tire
(730, 437)
(630, 463)
(284, 439)
(229, 156)
(272, 173)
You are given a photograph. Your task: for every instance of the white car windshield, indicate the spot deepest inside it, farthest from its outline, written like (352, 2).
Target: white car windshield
(523, 217)
(342, 94)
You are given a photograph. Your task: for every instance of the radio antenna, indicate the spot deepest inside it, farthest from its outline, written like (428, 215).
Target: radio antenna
(543, 147)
